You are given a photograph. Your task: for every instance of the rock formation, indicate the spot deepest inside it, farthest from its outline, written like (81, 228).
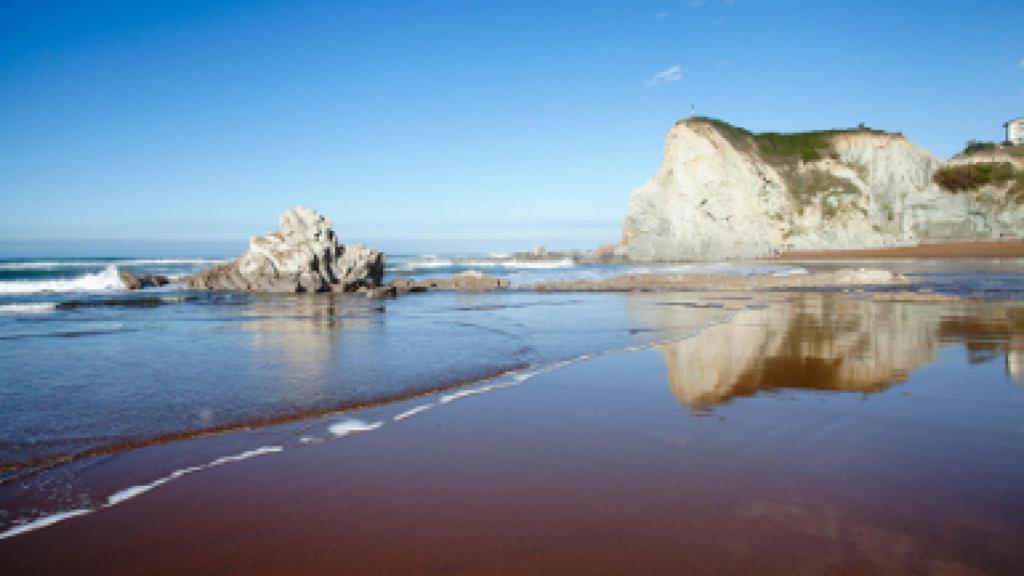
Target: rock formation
(723, 192)
(303, 255)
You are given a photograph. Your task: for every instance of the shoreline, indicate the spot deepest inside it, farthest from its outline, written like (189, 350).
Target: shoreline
(42, 464)
(944, 250)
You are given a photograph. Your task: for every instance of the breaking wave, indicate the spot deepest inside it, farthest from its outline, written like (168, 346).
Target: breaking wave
(107, 279)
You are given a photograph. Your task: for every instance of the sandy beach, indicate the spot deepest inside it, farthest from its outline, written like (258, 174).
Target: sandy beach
(805, 433)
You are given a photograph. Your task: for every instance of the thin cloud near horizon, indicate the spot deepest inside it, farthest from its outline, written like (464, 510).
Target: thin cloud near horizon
(673, 73)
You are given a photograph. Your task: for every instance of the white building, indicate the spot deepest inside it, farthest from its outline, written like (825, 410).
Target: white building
(1015, 131)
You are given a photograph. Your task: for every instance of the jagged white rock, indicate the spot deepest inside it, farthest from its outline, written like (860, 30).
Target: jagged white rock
(303, 255)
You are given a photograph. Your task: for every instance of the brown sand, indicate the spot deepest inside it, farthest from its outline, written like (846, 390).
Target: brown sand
(598, 469)
(991, 249)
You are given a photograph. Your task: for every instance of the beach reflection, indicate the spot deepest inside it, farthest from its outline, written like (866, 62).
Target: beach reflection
(837, 343)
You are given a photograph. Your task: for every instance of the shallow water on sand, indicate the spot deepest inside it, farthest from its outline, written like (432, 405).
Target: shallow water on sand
(100, 376)
(800, 433)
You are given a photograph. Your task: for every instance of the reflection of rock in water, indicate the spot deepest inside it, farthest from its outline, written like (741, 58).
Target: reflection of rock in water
(830, 342)
(1015, 364)
(306, 328)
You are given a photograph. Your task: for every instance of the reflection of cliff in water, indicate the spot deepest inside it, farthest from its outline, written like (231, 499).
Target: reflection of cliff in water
(835, 342)
(998, 331)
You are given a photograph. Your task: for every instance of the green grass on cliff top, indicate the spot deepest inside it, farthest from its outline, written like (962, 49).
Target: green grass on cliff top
(781, 147)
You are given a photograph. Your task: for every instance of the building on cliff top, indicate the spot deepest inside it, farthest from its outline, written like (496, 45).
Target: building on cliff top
(1015, 131)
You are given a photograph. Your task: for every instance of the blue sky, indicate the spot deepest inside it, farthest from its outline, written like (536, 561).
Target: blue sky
(521, 121)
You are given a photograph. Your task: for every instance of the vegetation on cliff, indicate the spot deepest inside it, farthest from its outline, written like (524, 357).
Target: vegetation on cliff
(784, 148)
(979, 147)
(969, 177)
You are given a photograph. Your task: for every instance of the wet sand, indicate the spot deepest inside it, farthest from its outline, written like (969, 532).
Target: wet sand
(991, 249)
(814, 434)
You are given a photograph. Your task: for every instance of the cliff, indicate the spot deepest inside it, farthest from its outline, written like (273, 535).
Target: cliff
(724, 192)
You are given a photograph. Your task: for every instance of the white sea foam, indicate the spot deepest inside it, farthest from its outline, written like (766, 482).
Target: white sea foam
(246, 455)
(133, 491)
(43, 522)
(352, 426)
(107, 279)
(414, 411)
(28, 308)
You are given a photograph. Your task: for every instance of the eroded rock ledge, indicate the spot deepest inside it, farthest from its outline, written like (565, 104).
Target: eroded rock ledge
(303, 255)
(469, 281)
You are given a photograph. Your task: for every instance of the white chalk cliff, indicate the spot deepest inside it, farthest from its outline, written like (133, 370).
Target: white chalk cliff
(718, 195)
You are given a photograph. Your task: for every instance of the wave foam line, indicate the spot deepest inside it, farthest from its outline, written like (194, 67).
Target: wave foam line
(134, 491)
(107, 279)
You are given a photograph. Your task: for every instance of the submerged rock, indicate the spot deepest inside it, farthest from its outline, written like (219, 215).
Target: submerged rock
(133, 282)
(130, 281)
(469, 281)
(303, 255)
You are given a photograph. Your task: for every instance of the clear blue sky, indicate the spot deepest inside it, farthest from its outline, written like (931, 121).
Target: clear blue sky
(519, 120)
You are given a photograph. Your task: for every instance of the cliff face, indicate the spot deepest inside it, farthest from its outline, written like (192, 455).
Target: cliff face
(722, 192)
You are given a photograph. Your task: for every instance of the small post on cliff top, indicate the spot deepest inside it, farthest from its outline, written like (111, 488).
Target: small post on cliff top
(693, 110)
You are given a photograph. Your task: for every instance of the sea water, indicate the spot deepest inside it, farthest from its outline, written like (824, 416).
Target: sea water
(85, 364)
